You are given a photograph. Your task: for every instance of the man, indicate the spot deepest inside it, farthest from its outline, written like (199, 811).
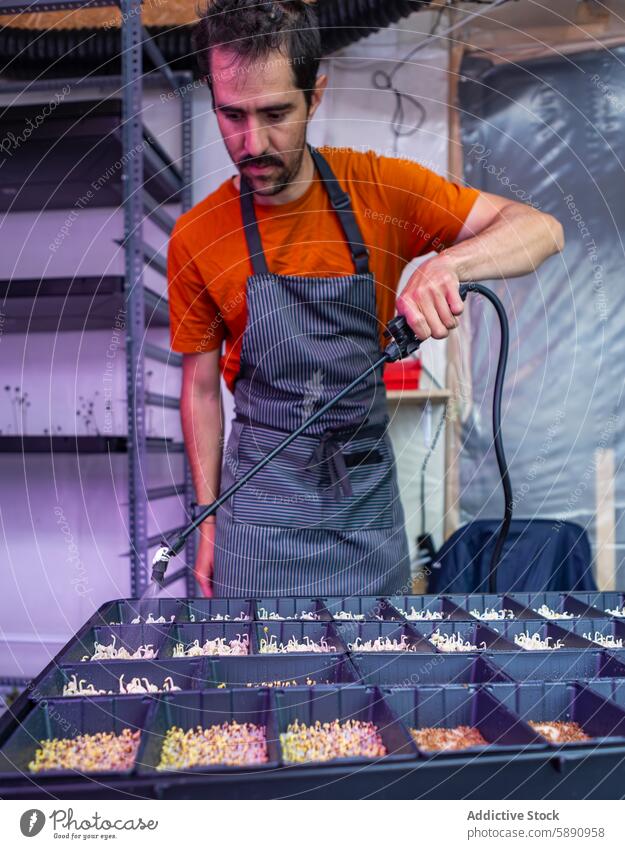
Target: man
(293, 263)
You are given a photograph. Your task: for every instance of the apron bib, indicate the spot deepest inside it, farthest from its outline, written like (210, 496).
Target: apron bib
(325, 516)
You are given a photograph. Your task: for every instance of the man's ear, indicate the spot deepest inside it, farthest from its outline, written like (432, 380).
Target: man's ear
(317, 93)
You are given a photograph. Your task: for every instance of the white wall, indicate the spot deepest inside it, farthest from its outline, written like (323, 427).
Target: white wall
(63, 519)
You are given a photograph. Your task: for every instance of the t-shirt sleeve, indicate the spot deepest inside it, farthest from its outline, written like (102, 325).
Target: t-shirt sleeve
(194, 318)
(436, 208)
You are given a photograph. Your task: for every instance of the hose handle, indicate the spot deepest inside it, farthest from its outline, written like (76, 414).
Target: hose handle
(403, 340)
(465, 288)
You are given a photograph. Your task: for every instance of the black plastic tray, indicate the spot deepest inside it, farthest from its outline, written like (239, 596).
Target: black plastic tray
(610, 688)
(198, 609)
(370, 608)
(569, 638)
(183, 610)
(449, 706)
(187, 710)
(284, 631)
(559, 602)
(290, 609)
(364, 704)
(558, 665)
(598, 669)
(364, 631)
(447, 605)
(479, 603)
(129, 636)
(599, 602)
(554, 701)
(410, 670)
(264, 669)
(68, 718)
(587, 628)
(475, 633)
(185, 673)
(187, 632)
(124, 611)
(573, 604)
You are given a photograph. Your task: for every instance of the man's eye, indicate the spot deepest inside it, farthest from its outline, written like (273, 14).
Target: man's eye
(275, 116)
(232, 116)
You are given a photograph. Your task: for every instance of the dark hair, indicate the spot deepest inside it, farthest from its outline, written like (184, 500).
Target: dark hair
(252, 29)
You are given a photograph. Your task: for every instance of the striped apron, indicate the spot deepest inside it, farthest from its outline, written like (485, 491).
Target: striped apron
(325, 516)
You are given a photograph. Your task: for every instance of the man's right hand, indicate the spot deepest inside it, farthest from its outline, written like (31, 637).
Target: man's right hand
(205, 558)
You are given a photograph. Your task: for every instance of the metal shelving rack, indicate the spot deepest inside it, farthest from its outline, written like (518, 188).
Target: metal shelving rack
(137, 205)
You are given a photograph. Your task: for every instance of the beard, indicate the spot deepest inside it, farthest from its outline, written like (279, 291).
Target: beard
(285, 170)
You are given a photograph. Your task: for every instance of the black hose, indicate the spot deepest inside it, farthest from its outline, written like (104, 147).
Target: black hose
(504, 345)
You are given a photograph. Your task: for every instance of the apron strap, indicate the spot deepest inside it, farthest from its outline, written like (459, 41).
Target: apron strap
(341, 203)
(250, 228)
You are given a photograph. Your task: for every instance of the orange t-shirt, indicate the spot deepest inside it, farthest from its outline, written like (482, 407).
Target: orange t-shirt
(403, 210)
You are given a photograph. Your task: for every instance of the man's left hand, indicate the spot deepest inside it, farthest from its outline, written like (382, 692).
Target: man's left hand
(431, 300)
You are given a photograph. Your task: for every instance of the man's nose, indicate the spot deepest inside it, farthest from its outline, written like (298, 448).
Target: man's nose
(255, 141)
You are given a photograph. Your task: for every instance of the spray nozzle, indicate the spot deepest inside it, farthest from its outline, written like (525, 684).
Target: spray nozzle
(160, 562)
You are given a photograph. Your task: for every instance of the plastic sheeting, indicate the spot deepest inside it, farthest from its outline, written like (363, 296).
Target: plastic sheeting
(551, 132)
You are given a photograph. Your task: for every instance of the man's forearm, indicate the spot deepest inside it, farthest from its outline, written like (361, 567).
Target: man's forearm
(203, 436)
(516, 243)
(513, 242)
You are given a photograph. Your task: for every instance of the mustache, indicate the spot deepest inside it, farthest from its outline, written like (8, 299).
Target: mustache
(260, 160)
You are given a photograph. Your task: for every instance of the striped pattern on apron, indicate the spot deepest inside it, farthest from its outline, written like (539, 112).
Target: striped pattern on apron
(325, 516)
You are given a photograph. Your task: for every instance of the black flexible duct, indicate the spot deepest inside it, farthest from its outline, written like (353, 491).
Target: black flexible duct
(345, 22)
(80, 51)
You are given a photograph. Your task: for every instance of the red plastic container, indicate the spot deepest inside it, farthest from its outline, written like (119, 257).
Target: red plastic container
(403, 375)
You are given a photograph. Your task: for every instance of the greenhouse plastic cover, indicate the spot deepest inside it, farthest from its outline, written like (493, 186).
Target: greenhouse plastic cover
(551, 132)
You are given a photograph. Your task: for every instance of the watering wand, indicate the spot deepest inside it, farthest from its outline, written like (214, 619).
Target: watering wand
(402, 343)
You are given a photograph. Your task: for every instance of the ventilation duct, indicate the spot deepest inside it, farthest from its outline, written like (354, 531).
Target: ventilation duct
(28, 52)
